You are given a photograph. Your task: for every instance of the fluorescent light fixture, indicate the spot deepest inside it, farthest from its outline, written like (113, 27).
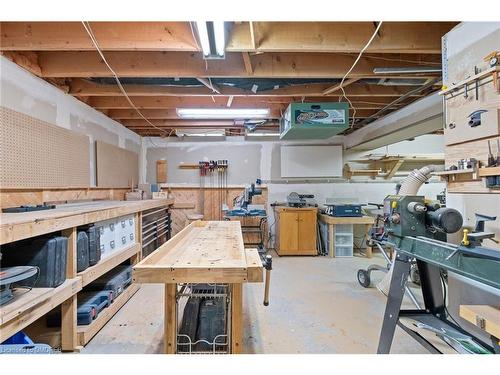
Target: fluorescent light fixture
(220, 37)
(416, 70)
(212, 36)
(201, 26)
(200, 132)
(222, 113)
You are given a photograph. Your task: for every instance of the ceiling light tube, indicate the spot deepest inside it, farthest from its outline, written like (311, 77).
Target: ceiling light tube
(222, 113)
(220, 37)
(201, 26)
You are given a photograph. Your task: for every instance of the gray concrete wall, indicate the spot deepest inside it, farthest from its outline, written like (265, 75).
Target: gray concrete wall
(25, 93)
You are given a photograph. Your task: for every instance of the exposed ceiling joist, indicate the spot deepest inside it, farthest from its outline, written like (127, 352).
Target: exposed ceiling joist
(171, 114)
(112, 36)
(172, 102)
(349, 37)
(81, 87)
(189, 64)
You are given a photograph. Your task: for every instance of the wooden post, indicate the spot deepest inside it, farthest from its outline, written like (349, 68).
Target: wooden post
(69, 307)
(236, 318)
(331, 240)
(138, 238)
(170, 319)
(369, 249)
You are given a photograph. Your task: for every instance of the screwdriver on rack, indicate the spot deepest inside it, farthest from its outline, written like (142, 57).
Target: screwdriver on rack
(491, 181)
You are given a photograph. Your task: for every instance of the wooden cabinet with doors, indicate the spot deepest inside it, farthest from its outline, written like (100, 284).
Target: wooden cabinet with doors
(296, 231)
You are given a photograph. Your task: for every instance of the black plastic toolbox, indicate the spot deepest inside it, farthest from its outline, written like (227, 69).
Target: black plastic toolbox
(211, 323)
(189, 325)
(115, 280)
(49, 254)
(82, 251)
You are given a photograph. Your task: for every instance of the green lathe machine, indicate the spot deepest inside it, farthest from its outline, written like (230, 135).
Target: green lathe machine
(417, 230)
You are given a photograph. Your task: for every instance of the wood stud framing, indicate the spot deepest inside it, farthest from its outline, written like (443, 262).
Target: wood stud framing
(62, 53)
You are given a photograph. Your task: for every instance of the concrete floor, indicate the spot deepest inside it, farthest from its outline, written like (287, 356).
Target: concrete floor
(316, 306)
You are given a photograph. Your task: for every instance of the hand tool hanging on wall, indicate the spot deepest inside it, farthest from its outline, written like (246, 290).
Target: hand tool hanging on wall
(491, 181)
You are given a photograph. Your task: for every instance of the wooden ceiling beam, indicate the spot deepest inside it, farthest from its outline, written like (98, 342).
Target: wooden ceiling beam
(111, 36)
(349, 37)
(80, 87)
(338, 87)
(172, 102)
(171, 114)
(190, 64)
(204, 124)
(25, 59)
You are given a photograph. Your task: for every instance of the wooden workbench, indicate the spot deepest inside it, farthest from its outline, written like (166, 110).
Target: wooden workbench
(332, 221)
(203, 252)
(34, 304)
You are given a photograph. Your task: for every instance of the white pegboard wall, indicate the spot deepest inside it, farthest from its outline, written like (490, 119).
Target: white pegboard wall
(36, 154)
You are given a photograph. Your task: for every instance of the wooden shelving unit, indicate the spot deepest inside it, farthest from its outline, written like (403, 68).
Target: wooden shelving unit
(33, 305)
(85, 333)
(107, 264)
(30, 306)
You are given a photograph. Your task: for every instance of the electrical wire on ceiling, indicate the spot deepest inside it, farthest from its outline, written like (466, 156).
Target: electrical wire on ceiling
(87, 27)
(421, 62)
(375, 33)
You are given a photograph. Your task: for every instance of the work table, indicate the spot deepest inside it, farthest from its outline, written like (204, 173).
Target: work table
(203, 252)
(18, 226)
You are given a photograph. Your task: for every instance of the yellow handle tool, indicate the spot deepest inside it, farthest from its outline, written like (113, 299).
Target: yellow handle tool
(465, 239)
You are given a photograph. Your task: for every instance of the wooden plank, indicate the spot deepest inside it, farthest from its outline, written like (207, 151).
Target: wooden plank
(32, 305)
(85, 333)
(49, 36)
(254, 266)
(344, 37)
(490, 171)
(83, 88)
(18, 226)
(161, 171)
(201, 252)
(395, 167)
(236, 318)
(483, 314)
(108, 263)
(170, 319)
(340, 37)
(273, 103)
(69, 307)
(248, 62)
(187, 64)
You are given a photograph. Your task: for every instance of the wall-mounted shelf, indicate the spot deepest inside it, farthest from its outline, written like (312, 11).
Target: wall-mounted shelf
(459, 175)
(489, 171)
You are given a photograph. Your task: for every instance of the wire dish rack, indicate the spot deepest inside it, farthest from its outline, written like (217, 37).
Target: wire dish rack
(203, 318)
